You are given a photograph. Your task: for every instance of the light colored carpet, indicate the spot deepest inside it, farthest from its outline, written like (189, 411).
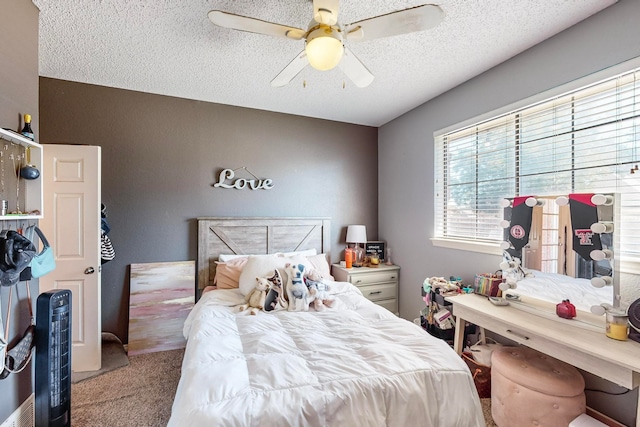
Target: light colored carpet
(486, 410)
(141, 394)
(113, 357)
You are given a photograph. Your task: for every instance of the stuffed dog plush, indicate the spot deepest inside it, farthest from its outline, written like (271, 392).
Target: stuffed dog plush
(296, 289)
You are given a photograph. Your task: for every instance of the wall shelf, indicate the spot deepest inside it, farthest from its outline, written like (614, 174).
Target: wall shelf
(24, 197)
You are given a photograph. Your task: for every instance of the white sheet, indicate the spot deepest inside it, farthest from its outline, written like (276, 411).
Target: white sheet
(352, 365)
(555, 288)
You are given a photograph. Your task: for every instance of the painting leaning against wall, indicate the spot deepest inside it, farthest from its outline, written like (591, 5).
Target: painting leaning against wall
(162, 295)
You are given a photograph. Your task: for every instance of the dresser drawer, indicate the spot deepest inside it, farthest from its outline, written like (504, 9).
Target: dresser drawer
(379, 292)
(389, 304)
(378, 277)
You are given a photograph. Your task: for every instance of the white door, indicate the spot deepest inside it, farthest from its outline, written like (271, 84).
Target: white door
(71, 182)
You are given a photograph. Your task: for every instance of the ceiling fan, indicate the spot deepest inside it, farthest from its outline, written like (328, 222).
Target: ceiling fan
(325, 36)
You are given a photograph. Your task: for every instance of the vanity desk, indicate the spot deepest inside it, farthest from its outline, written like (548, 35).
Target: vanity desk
(566, 340)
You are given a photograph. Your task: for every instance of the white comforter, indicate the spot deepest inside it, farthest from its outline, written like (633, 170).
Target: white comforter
(355, 364)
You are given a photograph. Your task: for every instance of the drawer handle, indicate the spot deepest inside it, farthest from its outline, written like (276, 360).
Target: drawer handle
(393, 277)
(524, 337)
(358, 281)
(375, 293)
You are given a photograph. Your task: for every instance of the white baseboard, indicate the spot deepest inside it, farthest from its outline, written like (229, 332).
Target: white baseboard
(24, 416)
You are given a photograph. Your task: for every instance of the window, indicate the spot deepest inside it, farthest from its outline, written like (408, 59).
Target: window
(583, 140)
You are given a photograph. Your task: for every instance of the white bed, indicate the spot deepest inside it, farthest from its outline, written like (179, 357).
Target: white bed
(354, 364)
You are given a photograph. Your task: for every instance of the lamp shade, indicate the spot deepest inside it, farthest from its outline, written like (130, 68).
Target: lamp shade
(356, 234)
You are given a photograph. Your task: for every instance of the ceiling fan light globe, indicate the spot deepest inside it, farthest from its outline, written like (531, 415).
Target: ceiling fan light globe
(324, 48)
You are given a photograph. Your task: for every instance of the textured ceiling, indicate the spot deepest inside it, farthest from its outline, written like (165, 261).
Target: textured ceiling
(169, 47)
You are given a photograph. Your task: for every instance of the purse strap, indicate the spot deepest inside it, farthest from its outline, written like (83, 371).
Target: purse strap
(45, 242)
(5, 333)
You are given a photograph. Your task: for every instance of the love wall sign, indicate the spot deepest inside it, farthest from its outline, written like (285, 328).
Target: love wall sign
(227, 179)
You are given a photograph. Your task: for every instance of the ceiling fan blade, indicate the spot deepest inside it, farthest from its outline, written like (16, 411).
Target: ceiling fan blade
(325, 11)
(291, 70)
(252, 25)
(405, 21)
(355, 69)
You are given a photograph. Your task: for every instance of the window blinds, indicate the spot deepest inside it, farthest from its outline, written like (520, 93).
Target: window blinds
(586, 140)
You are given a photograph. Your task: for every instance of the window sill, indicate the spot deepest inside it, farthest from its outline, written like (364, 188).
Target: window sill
(464, 245)
(629, 265)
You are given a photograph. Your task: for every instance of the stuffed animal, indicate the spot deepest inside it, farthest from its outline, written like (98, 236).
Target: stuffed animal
(512, 272)
(296, 289)
(277, 297)
(255, 299)
(439, 283)
(319, 296)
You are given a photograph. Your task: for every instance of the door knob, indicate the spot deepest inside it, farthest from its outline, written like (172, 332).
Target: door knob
(89, 270)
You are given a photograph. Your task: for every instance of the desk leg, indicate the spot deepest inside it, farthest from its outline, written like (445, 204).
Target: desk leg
(458, 338)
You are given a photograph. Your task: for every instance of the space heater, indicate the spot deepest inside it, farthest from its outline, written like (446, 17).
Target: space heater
(53, 359)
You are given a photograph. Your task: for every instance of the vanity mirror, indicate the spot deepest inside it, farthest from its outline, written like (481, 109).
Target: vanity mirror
(567, 249)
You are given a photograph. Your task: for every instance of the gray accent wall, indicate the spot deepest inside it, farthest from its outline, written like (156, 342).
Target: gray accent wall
(18, 96)
(161, 155)
(406, 212)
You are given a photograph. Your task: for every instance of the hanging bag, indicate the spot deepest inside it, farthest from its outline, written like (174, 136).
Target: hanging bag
(18, 357)
(45, 261)
(16, 252)
(25, 275)
(107, 253)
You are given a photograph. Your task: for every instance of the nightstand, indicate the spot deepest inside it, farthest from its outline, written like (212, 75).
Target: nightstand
(379, 284)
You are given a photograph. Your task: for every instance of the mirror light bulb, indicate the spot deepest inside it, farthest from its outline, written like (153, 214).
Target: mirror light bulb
(602, 199)
(602, 227)
(601, 282)
(598, 255)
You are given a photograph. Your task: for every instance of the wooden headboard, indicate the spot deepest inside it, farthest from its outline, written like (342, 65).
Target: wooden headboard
(254, 236)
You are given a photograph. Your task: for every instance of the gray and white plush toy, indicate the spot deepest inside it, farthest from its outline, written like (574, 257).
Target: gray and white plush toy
(296, 289)
(319, 296)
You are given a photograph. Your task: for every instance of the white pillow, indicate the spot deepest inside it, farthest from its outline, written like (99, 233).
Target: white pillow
(263, 266)
(306, 252)
(229, 257)
(320, 263)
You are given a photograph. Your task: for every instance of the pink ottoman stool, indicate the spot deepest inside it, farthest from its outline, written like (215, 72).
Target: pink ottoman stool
(529, 388)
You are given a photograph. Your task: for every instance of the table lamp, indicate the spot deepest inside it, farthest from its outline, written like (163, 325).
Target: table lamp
(357, 234)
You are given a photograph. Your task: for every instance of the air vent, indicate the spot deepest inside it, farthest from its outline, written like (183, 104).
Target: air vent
(24, 416)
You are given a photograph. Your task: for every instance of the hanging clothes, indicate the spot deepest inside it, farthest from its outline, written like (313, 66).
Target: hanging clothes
(107, 253)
